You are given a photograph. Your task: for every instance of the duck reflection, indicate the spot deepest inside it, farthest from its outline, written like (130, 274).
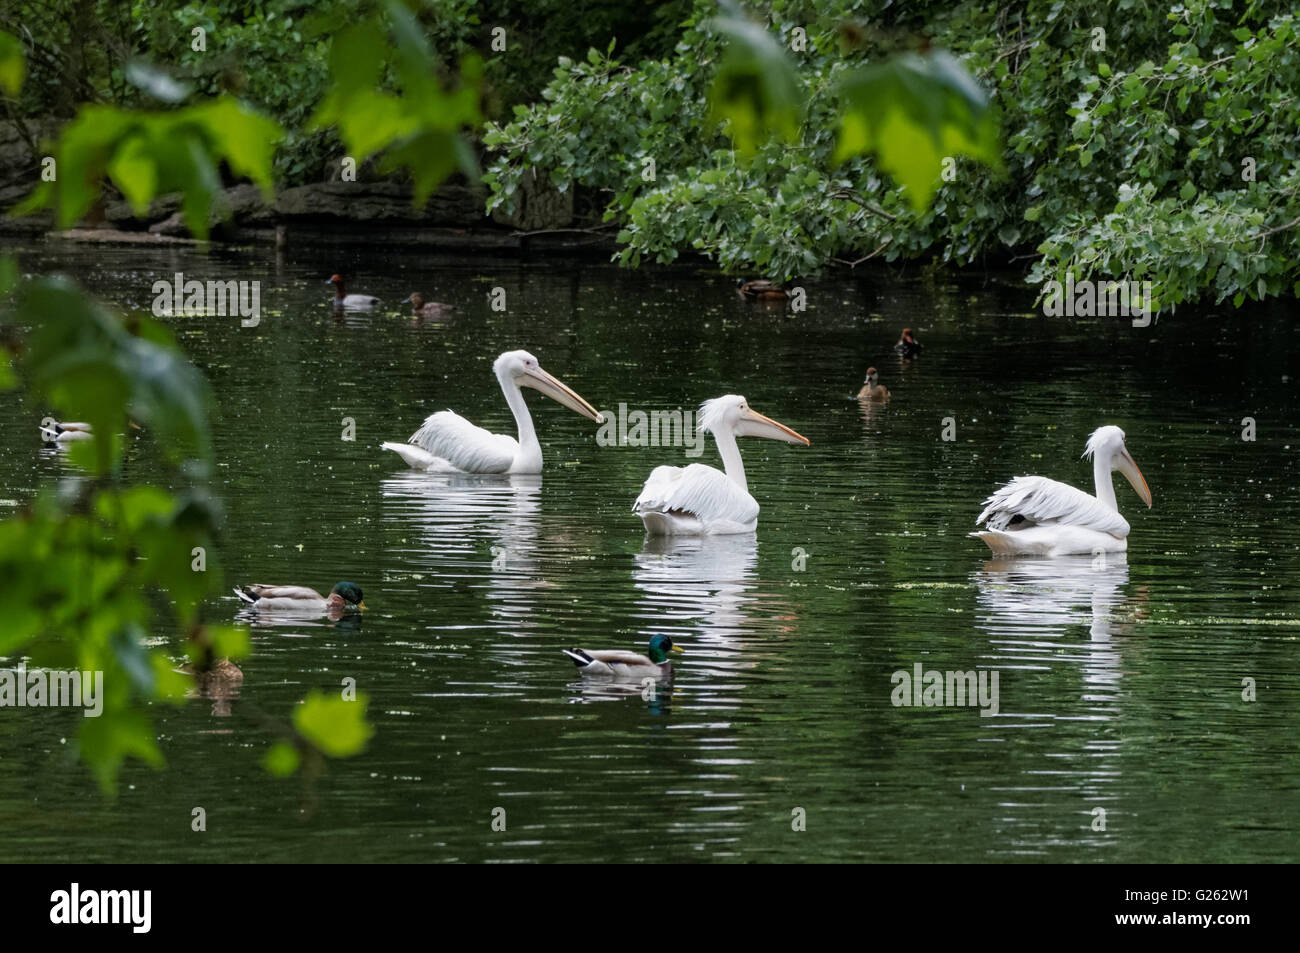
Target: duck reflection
(341, 617)
(218, 683)
(657, 695)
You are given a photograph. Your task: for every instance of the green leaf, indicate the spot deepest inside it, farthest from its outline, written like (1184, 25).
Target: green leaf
(334, 727)
(147, 154)
(107, 741)
(8, 275)
(911, 112)
(757, 90)
(419, 130)
(282, 759)
(13, 66)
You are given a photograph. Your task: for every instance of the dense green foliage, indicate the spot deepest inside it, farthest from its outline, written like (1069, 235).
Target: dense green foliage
(88, 560)
(147, 153)
(1125, 154)
(1142, 141)
(82, 561)
(273, 54)
(94, 565)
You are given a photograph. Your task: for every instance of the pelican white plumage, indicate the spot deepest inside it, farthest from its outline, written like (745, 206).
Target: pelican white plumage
(1035, 516)
(447, 441)
(699, 500)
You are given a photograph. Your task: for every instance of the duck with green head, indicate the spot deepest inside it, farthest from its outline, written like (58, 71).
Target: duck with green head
(617, 663)
(301, 598)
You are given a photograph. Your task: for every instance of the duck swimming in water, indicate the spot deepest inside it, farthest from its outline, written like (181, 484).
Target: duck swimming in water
(872, 389)
(908, 346)
(616, 663)
(350, 302)
(66, 432)
(762, 289)
(425, 309)
(300, 598)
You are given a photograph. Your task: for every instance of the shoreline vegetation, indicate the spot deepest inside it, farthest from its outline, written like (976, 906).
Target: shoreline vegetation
(778, 139)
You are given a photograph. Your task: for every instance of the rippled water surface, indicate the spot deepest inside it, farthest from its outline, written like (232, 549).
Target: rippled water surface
(1120, 685)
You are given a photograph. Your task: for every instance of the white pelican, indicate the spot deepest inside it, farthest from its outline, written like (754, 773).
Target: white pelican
(448, 441)
(699, 500)
(1035, 516)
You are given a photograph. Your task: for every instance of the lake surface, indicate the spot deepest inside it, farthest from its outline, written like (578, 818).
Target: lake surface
(1120, 685)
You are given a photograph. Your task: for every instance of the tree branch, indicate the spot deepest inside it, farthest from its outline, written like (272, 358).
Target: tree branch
(854, 264)
(850, 196)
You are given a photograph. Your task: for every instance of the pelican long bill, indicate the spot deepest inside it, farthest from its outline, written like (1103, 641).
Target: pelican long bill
(754, 424)
(559, 392)
(1127, 466)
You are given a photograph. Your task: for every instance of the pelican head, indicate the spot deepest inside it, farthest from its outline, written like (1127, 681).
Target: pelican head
(1107, 446)
(733, 413)
(522, 369)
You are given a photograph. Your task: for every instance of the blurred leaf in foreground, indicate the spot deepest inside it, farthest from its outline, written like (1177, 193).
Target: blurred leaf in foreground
(913, 111)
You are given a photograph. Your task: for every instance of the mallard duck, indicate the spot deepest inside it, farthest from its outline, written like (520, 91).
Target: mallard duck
(425, 309)
(350, 302)
(761, 288)
(872, 389)
(219, 673)
(66, 432)
(907, 346)
(616, 663)
(300, 598)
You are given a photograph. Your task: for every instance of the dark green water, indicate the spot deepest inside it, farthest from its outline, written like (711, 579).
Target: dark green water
(1120, 686)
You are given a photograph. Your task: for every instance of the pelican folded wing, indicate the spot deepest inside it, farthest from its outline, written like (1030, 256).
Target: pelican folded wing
(699, 490)
(1035, 501)
(449, 436)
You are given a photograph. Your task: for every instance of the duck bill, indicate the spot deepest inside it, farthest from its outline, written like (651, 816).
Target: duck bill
(560, 393)
(754, 424)
(678, 648)
(1125, 465)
